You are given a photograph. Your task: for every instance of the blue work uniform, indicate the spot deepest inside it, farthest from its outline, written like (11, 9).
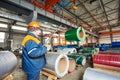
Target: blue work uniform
(33, 56)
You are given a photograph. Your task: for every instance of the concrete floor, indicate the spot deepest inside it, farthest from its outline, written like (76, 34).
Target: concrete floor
(77, 74)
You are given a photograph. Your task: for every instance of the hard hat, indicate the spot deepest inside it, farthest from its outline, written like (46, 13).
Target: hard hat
(34, 24)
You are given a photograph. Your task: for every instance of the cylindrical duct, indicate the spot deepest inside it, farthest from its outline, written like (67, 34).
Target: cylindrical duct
(109, 52)
(72, 65)
(78, 59)
(67, 51)
(58, 63)
(94, 74)
(8, 63)
(77, 34)
(111, 60)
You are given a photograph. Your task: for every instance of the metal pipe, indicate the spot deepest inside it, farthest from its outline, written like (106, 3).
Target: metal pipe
(8, 63)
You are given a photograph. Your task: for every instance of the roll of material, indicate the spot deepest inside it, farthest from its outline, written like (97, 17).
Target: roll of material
(72, 65)
(94, 74)
(59, 63)
(77, 34)
(78, 59)
(8, 63)
(110, 60)
(67, 51)
(109, 52)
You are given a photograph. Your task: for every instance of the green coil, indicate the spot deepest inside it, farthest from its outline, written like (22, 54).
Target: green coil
(78, 59)
(77, 34)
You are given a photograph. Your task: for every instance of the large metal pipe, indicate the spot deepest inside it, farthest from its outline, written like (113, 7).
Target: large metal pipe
(8, 63)
(94, 74)
(59, 63)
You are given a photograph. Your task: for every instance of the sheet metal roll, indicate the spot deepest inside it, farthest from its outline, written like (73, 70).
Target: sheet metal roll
(94, 74)
(8, 63)
(78, 59)
(58, 63)
(109, 52)
(72, 65)
(77, 34)
(110, 60)
(67, 51)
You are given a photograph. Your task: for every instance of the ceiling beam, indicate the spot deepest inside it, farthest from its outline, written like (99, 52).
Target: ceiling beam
(103, 8)
(90, 13)
(74, 15)
(103, 13)
(96, 8)
(103, 16)
(119, 11)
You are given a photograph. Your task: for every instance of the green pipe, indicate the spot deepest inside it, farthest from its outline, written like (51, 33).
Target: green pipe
(79, 59)
(77, 34)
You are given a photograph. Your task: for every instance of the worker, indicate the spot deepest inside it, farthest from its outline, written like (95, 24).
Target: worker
(33, 53)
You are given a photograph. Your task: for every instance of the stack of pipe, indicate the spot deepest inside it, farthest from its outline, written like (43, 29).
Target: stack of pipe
(94, 74)
(77, 34)
(8, 63)
(58, 64)
(78, 59)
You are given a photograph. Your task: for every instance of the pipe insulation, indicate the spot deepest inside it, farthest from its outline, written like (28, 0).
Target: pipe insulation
(8, 63)
(59, 63)
(77, 34)
(72, 65)
(78, 59)
(67, 51)
(110, 60)
(94, 74)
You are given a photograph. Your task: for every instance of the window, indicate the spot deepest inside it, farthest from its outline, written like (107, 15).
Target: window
(3, 25)
(19, 28)
(2, 36)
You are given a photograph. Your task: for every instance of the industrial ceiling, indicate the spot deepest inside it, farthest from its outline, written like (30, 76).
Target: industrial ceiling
(93, 15)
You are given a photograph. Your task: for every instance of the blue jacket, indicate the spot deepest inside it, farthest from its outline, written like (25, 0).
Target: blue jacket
(33, 54)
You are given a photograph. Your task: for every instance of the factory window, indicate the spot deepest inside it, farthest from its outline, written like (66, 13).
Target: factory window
(3, 25)
(2, 36)
(19, 28)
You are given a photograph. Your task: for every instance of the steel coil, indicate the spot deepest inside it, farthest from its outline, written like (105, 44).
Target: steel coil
(8, 63)
(77, 34)
(59, 63)
(94, 74)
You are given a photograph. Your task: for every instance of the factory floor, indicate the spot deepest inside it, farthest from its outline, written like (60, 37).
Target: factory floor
(77, 74)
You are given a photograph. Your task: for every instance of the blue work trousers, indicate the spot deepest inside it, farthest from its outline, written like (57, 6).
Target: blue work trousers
(33, 76)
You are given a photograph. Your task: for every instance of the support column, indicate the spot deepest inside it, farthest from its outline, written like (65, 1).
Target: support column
(10, 37)
(91, 39)
(111, 36)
